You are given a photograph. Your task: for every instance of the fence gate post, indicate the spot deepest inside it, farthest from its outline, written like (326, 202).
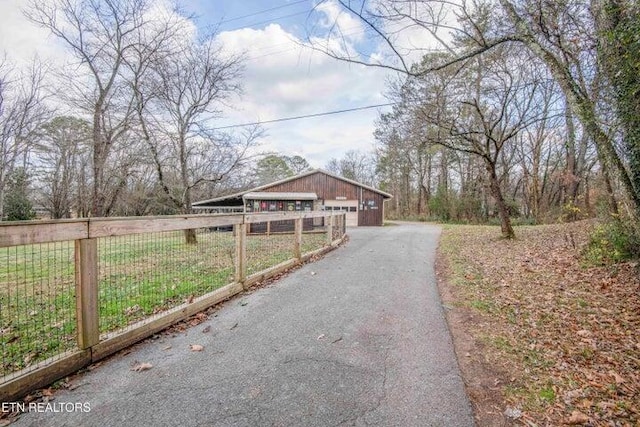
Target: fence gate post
(241, 252)
(330, 229)
(297, 241)
(87, 316)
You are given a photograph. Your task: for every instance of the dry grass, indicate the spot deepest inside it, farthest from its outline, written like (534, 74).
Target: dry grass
(565, 336)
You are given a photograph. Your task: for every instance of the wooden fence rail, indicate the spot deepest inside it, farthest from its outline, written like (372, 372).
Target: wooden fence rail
(90, 345)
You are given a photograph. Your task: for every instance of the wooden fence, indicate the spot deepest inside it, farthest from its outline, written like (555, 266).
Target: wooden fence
(91, 342)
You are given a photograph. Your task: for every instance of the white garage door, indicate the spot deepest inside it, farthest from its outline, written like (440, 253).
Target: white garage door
(348, 206)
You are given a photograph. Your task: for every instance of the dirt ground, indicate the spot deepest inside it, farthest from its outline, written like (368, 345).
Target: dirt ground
(481, 379)
(542, 338)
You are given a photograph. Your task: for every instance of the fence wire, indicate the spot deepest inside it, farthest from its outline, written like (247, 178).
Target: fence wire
(269, 244)
(143, 275)
(140, 276)
(37, 305)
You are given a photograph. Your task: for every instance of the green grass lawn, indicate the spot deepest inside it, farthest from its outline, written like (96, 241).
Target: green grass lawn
(139, 276)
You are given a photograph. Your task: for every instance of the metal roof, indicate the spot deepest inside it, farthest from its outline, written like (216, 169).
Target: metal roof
(292, 178)
(270, 195)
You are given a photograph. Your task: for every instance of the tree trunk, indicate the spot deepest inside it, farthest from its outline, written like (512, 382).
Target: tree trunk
(581, 105)
(503, 210)
(617, 27)
(190, 236)
(611, 197)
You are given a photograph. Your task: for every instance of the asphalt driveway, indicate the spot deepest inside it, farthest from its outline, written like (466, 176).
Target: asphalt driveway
(357, 338)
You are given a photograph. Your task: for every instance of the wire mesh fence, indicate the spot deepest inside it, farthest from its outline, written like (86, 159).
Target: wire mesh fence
(141, 273)
(269, 243)
(338, 227)
(37, 304)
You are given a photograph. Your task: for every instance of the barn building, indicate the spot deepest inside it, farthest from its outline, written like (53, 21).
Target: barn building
(315, 190)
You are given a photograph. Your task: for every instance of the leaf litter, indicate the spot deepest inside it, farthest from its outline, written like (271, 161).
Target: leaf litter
(566, 334)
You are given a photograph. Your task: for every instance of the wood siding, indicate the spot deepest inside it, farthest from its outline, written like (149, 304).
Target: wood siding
(373, 212)
(330, 188)
(326, 187)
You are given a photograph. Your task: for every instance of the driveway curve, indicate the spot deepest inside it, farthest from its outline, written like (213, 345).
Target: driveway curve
(357, 338)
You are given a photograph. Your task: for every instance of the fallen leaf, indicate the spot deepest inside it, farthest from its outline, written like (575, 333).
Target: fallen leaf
(142, 367)
(321, 336)
(617, 377)
(167, 348)
(196, 347)
(577, 418)
(206, 329)
(513, 413)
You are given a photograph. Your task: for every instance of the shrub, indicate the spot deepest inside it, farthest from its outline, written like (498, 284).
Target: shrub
(613, 241)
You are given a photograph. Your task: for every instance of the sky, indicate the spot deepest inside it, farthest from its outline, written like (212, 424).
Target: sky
(282, 77)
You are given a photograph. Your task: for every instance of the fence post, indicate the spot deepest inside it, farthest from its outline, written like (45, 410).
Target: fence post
(241, 252)
(344, 225)
(87, 316)
(330, 229)
(297, 243)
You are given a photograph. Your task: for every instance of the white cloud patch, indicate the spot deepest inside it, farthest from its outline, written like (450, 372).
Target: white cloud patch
(21, 40)
(284, 78)
(340, 21)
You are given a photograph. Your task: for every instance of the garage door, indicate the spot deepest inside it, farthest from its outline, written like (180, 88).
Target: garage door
(348, 206)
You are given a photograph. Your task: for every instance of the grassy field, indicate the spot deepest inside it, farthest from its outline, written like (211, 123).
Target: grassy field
(139, 276)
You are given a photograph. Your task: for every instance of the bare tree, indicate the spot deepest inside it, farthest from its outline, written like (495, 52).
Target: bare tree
(564, 36)
(177, 98)
(355, 165)
(61, 149)
(22, 110)
(101, 35)
(480, 111)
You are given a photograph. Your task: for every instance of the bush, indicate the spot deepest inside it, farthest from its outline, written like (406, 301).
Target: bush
(613, 241)
(17, 206)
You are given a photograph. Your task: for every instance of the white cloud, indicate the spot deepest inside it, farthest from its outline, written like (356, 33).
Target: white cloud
(283, 78)
(340, 21)
(21, 40)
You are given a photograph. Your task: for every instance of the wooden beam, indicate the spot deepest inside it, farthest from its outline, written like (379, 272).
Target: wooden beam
(87, 315)
(297, 241)
(329, 221)
(241, 252)
(31, 232)
(117, 227)
(43, 374)
(281, 216)
(270, 272)
(145, 328)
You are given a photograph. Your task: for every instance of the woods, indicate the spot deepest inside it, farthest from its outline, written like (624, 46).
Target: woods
(511, 110)
(125, 127)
